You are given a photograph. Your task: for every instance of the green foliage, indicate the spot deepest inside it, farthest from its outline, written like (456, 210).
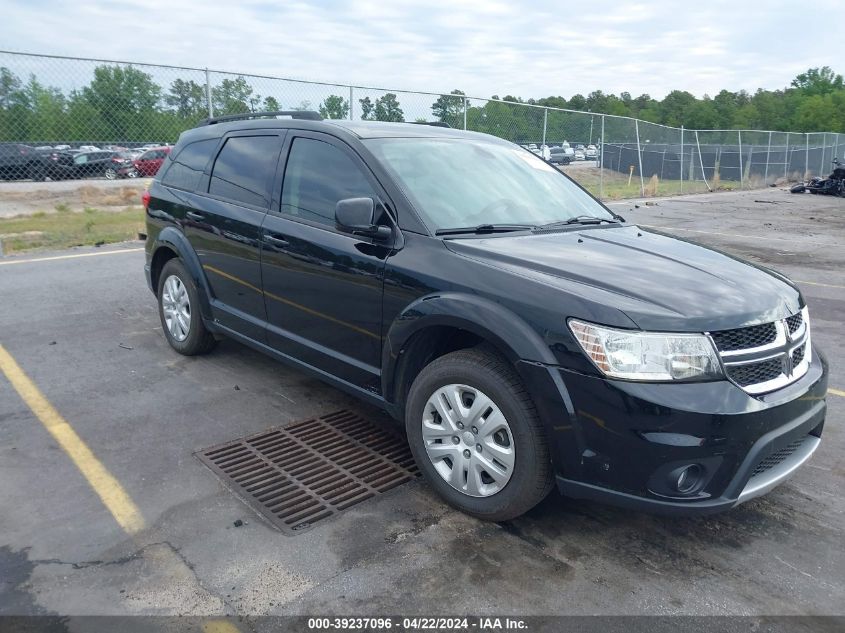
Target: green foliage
(387, 109)
(334, 107)
(449, 109)
(124, 104)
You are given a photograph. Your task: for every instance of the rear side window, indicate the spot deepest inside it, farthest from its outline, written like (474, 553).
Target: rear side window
(317, 175)
(244, 169)
(187, 166)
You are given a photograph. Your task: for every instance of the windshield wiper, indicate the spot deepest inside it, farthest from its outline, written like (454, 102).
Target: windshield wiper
(484, 228)
(578, 219)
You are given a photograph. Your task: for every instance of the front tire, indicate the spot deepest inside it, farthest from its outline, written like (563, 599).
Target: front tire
(475, 435)
(179, 311)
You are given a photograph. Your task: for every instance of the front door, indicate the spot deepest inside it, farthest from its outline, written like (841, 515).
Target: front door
(323, 288)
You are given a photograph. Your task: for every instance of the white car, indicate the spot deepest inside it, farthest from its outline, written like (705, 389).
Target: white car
(591, 153)
(89, 148)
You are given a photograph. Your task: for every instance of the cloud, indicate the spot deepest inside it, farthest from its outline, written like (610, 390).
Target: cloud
(483, 47)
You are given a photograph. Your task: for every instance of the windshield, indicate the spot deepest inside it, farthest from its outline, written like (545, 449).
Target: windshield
(459, 183)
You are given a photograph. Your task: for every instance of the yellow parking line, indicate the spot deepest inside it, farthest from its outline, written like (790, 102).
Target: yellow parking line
(836, 392)
(219, 626)
(12, 262)
(112, 494)
(817, 283)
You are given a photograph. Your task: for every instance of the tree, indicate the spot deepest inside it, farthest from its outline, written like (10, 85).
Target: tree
(818, 81)
(303, 105)
(387, 109)
(450, 109)
(187, 98)
(334, 107)
(10, 89)
(232, 96)
(271, 105)
(675, 106)
(367, 109)
(125, 100)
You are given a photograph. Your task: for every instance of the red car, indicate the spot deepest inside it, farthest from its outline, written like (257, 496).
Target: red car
(148, 163)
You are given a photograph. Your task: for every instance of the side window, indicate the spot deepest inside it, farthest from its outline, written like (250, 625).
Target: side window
(244, 169)
(317, 175)
(81, 159)
(187, 166)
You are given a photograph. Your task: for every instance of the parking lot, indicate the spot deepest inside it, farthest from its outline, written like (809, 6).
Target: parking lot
(155, 532)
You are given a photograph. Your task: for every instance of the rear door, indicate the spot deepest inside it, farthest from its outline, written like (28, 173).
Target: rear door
(223, 224)
(323, 288)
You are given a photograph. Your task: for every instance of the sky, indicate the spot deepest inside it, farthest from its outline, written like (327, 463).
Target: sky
(483, 47)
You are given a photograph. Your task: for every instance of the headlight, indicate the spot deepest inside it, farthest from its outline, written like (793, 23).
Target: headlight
(648, 356)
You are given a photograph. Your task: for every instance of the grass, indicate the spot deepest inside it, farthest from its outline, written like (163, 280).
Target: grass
(66, 228)
(614, 186)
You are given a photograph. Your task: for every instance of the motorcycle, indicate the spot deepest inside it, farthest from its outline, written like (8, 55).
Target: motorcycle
(833, 185)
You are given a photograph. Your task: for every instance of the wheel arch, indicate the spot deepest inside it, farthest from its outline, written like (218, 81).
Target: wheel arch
(170, 244)
(435, 325)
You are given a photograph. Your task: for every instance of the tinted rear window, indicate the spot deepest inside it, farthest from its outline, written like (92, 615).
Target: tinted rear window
(244, 169)
(187, 166)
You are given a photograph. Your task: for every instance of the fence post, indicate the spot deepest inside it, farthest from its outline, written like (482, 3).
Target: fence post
(465, 114)
(786, 158)
(640, 157)
(602, 143)
(768, 152)
(739, 136)
(681, 188)
(351, 107)
(545, 123)
(208, 94)
(591, 130)
(806, 154)
(824, 148)
(701, 162)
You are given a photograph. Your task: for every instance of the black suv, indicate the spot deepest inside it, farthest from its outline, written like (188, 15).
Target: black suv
(19, 161)
(525, 334)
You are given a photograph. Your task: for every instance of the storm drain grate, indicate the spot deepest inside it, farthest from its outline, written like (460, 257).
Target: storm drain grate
(308, 471)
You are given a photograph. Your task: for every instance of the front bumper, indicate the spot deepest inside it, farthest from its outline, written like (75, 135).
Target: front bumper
(619, 442)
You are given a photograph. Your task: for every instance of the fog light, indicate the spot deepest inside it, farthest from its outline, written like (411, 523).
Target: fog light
(687, 478)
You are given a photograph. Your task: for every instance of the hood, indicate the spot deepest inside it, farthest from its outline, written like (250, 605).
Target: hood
(659, 282)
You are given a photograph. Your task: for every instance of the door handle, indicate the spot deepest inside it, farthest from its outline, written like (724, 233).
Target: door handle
(276, 241)
(195, 216)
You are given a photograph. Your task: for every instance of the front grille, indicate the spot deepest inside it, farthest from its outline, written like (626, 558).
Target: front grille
(754, 373)
(794, 322)
(798, 355)
(743, 338)
(767, 463)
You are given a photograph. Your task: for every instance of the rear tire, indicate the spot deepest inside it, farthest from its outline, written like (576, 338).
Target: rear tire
(478, 373)
(179, 311)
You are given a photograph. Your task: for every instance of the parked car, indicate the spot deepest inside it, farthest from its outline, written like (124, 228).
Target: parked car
(89, 148)
(19, 161)
(558, 155)
(524, 334)
(579, 154)
(148, 163)
(591, 153)
(109, 165)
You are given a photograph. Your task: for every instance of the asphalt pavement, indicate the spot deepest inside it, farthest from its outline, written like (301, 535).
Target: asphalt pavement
(160, 536)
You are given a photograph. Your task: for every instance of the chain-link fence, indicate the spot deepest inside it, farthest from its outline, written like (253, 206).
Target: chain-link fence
(60, 104)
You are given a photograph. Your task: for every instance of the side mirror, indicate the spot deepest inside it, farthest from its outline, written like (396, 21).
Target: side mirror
(357, 216)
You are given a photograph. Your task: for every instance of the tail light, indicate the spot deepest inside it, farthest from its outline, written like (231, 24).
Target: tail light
(145, 199)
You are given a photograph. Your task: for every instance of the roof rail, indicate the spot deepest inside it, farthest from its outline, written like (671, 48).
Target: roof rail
(307, 115)
(434, 123)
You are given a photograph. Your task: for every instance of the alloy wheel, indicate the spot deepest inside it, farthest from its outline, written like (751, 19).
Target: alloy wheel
(176, 306)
